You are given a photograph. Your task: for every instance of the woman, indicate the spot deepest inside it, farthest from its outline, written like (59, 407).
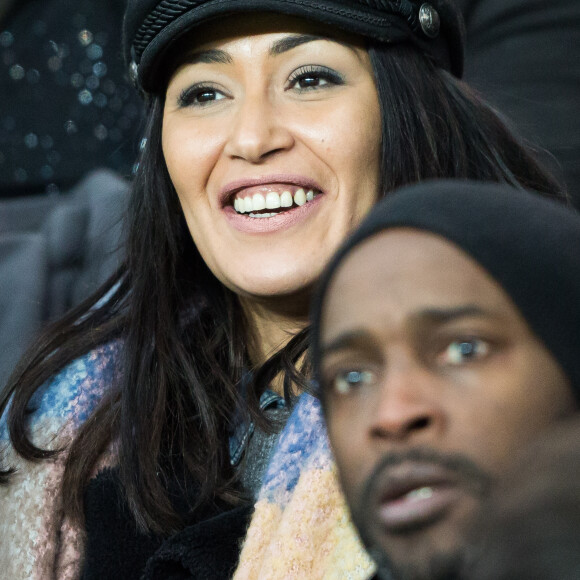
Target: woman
(140, 403)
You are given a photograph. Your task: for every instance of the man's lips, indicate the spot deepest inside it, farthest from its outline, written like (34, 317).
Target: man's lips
(410, 496)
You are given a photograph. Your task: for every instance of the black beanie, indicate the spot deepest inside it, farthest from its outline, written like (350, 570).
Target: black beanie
(152, 26)
(529, 244)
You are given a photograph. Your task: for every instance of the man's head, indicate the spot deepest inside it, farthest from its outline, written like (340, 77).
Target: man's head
(433, 364)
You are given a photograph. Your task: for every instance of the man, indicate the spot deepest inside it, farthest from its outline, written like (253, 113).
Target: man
(444, 340)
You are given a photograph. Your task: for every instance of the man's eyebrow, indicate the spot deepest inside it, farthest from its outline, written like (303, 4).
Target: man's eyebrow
(362, 339)
(442, 315)
(351, 339)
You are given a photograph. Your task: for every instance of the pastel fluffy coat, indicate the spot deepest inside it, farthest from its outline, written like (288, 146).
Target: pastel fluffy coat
(300, 528)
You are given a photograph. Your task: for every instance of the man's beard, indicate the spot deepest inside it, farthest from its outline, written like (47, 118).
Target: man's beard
(438, 565)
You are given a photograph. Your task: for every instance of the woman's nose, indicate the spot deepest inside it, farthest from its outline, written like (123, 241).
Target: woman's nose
(257, 131)
(408, 407)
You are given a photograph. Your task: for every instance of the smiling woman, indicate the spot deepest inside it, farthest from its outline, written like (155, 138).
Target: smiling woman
(273, 127)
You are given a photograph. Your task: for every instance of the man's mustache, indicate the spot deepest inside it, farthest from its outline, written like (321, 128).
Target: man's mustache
(461, 467)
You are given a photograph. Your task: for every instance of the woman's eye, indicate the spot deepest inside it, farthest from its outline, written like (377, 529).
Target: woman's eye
(199, 96)
(345, 381)
(313, 77)
(461, 351)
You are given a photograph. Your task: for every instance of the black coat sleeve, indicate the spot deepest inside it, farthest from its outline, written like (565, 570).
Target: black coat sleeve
(206, 549)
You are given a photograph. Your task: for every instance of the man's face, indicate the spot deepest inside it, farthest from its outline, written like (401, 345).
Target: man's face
(431, 380)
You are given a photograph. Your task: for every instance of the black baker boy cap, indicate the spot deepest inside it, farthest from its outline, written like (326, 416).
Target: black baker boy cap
(152, 26)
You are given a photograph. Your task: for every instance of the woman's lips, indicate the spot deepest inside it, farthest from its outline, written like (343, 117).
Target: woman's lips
(251, 202)
(271, 222)
(269, 203)
(242, 188)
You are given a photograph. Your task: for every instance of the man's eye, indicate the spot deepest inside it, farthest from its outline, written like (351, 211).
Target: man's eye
(461, 351)
(198, 96)
(344, 382)
(313, 77)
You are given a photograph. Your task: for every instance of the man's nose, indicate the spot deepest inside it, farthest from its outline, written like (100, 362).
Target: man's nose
(408, 406)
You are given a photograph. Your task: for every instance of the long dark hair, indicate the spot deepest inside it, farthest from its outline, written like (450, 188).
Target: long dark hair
(183, 336)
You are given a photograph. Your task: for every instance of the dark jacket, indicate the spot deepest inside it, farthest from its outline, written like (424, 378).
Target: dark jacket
(523, 56)
(207, 549)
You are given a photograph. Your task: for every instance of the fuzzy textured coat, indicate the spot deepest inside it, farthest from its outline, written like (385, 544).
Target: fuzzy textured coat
(301, 527)
(38, 542)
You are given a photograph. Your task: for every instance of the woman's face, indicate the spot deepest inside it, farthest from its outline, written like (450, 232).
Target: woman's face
(271, 135)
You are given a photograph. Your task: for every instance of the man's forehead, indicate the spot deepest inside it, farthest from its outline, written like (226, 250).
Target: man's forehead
(407, 273)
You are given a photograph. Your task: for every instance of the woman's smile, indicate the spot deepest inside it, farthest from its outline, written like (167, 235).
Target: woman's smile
(251, 204)
(288, 119)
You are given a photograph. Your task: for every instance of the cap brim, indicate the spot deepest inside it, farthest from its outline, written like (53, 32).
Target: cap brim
(384, 28)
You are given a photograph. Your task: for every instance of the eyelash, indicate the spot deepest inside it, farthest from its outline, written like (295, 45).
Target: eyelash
(467, 350)
(314, 71)
(187, 96)
(349, 379)
(460, 351)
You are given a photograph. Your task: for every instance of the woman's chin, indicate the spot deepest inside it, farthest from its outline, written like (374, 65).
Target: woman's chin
(288, 291)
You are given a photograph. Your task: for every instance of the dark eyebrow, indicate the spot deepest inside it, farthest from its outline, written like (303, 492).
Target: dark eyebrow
(350, 339)
(442, 315)
(210, 56)
(362, 339)
(217, 56)
(292, 41)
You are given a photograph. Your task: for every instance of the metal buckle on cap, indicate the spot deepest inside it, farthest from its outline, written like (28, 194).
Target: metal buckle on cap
(429, 20)
(134, 73)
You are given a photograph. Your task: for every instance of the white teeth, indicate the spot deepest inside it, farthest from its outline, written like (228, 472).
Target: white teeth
(272, 200)
(258, 202)
(262, 215)
(421, 493)
(300, 197)
(286, 199)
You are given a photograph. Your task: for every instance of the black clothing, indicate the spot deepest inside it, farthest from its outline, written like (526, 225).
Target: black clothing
(207, 549)
(524, 57)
